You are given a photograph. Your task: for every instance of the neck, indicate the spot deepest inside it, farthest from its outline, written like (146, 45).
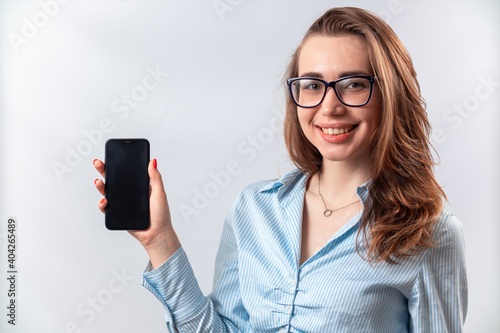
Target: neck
(339, 179)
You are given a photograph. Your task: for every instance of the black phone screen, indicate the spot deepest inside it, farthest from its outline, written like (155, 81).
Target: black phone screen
(127, 184)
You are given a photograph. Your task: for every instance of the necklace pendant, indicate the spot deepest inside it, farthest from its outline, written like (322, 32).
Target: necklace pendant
(327, 212)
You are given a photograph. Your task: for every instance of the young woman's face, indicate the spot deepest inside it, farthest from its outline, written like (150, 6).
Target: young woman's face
(331, 58)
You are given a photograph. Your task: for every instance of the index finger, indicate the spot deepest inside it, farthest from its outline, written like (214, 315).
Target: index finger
(99, 166)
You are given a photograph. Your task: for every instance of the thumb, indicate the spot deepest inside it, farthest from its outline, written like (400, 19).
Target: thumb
(155, 177)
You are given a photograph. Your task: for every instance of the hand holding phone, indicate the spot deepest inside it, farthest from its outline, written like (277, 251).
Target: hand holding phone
(160, 239)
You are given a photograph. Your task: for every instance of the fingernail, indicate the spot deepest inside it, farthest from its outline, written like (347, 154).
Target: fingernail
(102, 201)
(95, 181)
(94, 161)
(154, 163)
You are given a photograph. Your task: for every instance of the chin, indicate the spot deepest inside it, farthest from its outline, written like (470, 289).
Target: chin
(335, 157)
(339, 156)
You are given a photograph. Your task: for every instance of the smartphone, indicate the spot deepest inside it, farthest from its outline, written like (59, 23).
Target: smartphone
(127, 184)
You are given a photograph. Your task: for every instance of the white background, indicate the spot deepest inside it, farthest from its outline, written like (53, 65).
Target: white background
(66, 77)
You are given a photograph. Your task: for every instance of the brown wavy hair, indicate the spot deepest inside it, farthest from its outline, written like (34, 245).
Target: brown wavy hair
(405, 199)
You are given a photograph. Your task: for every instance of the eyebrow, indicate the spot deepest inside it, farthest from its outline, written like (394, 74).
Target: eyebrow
(343, 74)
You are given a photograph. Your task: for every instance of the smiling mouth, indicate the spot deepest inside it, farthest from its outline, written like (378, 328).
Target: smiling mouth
(338, 131)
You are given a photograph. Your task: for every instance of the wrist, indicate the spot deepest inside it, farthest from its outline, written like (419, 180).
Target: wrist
(161, 249)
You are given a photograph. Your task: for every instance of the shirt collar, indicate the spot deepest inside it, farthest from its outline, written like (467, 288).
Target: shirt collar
(295, 181)
(286, 186)
(362, 191)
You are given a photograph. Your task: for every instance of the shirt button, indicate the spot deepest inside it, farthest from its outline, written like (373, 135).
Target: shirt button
(283, 330)
(288, 308)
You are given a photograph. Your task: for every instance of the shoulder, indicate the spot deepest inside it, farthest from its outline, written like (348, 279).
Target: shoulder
(448, 253)
(449, 230)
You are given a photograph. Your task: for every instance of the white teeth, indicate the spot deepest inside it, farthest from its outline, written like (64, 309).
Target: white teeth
(336, 131)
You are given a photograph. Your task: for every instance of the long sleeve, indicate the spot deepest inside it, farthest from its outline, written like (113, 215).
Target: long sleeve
(438, 302)
(226, 290)
(186, 308)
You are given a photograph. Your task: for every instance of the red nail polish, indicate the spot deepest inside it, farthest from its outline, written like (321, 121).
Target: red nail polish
(93, 162)
(95, 181)
(102, 201)
(154, 163)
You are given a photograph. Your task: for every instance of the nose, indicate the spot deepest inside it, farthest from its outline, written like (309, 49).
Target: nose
(331, 104)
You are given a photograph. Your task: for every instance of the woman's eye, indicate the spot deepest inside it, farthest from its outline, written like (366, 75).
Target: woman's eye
(311, 86)
(355, 85)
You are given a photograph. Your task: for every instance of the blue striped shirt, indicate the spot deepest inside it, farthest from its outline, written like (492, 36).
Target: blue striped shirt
(260, 286)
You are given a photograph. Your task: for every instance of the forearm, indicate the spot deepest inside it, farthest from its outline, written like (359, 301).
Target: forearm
(175, 286)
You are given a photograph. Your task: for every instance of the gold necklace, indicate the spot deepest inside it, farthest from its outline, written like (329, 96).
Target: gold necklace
(328, 211)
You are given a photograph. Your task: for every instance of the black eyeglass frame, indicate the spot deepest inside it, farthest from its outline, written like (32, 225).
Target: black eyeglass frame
(332, 84)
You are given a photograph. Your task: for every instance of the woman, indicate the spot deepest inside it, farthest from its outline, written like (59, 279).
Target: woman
(355, 239)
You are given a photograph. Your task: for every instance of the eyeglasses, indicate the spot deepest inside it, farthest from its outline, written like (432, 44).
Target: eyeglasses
(308, 92)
